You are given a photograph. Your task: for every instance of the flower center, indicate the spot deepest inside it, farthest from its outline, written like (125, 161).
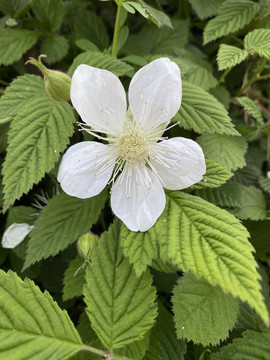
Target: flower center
(133, 147)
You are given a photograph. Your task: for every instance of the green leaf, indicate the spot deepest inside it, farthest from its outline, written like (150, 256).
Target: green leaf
(74, 279)
(259, 234)
(31, 323)
(229, 151)
(140, 247)
(159, 18)
(222, 95)
(205, 8)
(201, 112)
(251, 108)
(55, 47)
(211, 243)
(14, 43)
(258, 41)
(86, 45)
(60, 223)
(232, 16)
(197, 305)
(229, 56)
(215, 176)
(253, 345)
(49, 13)
(12, 7)
(202, 77)
(264, 183)
(172, 348)
(21, 214)
(37, 135)
(100, 61)
(120, 306)
(230, 195)
(19, 93)
(88, 25)
(254, 206)
(136, 350)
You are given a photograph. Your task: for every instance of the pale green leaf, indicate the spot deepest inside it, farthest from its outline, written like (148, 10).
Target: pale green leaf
(49, 13)
(202, 313)
(37, 135)
(205, 8)
(60, 223)
(201, 77)
(74, 279)
(14, 43)
(228, 195)
(232, 16)
(119, 304)
(211, 243)
(251, 108)
(201, 112)
(100, 61)
(215, 176)
(31, 324)
(264, 183)
(55, 47)
(172, 348)
(159, 18)
(253, 345)
(229, 151)
(258, 41)
(254, 206)
(229, 56)
(19, 93)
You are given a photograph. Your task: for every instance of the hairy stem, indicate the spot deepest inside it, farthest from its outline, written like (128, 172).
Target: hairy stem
(116, 27)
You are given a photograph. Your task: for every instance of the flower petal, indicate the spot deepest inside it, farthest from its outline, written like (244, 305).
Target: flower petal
(15, 234)
(99, 98)
(138, 198)
(178, 162)
(155, 93)
(86, 169)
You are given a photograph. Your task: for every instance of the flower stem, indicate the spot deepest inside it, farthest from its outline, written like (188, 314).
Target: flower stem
(222, 78)
(104, 354)
(255, 77)
(116, 27)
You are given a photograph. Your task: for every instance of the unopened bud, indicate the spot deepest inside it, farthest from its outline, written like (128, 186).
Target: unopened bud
(86, 244)
(57, 84)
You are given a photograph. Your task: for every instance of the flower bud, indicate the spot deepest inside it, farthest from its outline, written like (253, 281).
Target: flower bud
(86, 244)
(57, 84)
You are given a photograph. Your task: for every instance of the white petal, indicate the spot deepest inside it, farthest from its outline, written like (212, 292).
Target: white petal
(138, 198)
(15, 234)
(99, 98)
(86, 169)
(178, 162)
(155, 93)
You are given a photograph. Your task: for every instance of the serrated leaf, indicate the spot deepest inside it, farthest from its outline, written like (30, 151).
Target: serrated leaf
(232, 16)
(60, 223)
(11, 7)
(229, 151)
(254, 206)
(201, 77)
(222, 95)
(86, 45)
(14, 43)
(201, 112)
(21, 214)
(55, 47)
(37, 136)
(49, 13)
(258, 41)
(100, 61)
(74, 279)
(135, 350)
(206, 8)
(254, 345)
(172, 348)
(202, 313)
(154, 349)
(251, 108)
(211, 243)
(229, 56)
(264, 183)
(32, 324)
(159, 18)
(19, 93)
(228, 195)
(114, 294)
(215, 176)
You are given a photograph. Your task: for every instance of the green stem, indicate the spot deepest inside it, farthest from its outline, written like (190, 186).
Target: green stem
(268, 150)
(264, 77)
(222, 78)
(253, 78)
(116, 27)
(6, 120)
(104, 354)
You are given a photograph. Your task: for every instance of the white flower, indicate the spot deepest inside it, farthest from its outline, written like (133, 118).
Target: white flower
(144, 161)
